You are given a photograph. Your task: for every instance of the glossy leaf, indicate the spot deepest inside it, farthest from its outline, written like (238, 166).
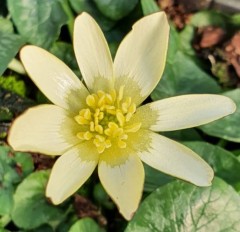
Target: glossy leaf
(183, 76)
(211, 17)
(80, 6)
(149, 7)
(116, 9)
(64, 51)
(182, 73)
(14, 166)
(6, 26)
(86, 225)
(31, 208)
(190, 134)
(155, 178)
(224, 163)
(9, 46)
(39, 22)
(179, 207)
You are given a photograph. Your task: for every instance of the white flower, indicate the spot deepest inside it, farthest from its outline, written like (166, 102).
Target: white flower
(104, 123)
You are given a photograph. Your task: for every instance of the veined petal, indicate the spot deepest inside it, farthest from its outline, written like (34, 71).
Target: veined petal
(140, 59)
(46, 129)
(122, 175)
(70, 172)
(92, 53)
(173, 158)
(55, 79)
(184, 111)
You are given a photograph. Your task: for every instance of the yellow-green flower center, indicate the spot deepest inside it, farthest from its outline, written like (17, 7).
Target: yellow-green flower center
(107, 119)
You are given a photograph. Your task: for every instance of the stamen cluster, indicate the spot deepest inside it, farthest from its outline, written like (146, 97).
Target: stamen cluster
(106, 120)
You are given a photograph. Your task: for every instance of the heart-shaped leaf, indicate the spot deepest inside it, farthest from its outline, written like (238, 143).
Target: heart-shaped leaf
(39, 22)
(31, 208)
(180, 206)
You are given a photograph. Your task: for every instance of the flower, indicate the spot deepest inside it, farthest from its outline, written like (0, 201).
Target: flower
(104, 125)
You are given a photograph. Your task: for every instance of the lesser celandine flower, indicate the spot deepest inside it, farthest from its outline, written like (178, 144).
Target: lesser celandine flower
(103, 124)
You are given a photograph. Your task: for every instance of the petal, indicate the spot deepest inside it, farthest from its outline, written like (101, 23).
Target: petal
(140, 59)
(54, 78)
(92, 53)
(185, 111)
(70, 172)
(46, 129)
(122, 175)
(173, 158)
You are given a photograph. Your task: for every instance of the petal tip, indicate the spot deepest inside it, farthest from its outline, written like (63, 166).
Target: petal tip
(83, 16)
(52, 196)
(230, 105)
(207, 181)
(234, 106)
(28, 49)
(54, 201)
(127, 215)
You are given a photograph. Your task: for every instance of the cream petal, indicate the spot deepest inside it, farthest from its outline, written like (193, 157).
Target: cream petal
(54, 78)
(140, 59)
(174, 159)
(92, 53)
(122, 175)
(70, 172)
(184, 111)
(46, 129)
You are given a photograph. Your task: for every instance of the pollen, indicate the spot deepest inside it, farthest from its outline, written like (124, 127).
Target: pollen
(107, 120)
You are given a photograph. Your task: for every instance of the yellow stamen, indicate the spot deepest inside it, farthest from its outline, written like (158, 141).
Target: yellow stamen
(90, 100)
(104, 122)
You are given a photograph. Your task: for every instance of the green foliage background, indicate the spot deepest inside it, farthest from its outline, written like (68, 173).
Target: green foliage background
(167, 204)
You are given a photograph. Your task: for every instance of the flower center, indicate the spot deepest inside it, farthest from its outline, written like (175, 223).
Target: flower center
(107, 119)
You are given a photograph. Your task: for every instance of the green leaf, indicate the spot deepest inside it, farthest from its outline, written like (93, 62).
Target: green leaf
(6, 199)
(235, 20)
(206, 18)
(227, 128)
(224, 163)
(86, 225)
(149, 7)
(6, 26)
(39, 22)
(182, 73)
(14, 166)
(186, 37)
(31, 208)
(180, 206)
(64, 51)
(88, 6)
(4, 221)
(154, 178)
(116, 9)
(43, 228)
(101, 196)
(9, 46)
(190, 134)
(5, 114)
(183, 76)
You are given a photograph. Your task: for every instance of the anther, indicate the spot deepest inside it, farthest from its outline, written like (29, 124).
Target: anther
(90, 100)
